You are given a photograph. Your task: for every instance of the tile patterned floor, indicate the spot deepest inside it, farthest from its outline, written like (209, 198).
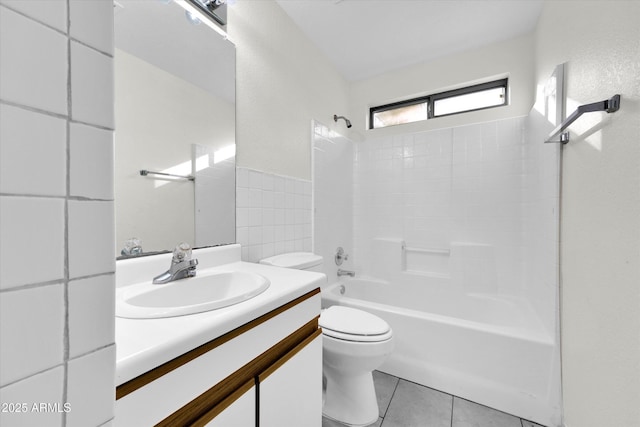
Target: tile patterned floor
(406, 404)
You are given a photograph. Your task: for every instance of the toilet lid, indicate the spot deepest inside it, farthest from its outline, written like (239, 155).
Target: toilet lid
(298, 260)
(354, 325)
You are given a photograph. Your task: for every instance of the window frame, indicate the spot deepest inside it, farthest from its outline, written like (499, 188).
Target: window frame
(431, 99)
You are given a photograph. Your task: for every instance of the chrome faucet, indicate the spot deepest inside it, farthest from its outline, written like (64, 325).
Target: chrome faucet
(349, 273)
(182, 266)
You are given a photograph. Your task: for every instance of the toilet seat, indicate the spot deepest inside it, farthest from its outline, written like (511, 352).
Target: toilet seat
(350, 324)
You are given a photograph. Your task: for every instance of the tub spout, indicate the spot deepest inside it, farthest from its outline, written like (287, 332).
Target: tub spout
(349, 273)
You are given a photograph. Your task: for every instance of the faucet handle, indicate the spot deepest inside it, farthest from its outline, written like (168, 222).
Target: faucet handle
(181, 252)
(340, 256)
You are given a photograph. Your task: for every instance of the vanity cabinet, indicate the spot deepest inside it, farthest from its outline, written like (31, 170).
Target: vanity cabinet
(291, 394)
(267, 372)
(240, 412)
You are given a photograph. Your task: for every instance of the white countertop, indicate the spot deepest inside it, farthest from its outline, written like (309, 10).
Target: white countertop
(143, 344)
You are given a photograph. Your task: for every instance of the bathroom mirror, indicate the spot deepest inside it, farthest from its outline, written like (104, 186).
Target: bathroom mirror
(175, 122)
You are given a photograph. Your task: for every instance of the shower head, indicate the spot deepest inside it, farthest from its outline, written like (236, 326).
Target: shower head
(347, 121)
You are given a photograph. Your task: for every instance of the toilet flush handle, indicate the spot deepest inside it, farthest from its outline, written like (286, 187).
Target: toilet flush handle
(340, 256)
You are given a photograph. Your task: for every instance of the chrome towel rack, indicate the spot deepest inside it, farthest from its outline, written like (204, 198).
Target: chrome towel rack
(609, 105)
(145, 172)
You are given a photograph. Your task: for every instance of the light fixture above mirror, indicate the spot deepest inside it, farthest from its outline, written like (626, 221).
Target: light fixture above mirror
(212, 12)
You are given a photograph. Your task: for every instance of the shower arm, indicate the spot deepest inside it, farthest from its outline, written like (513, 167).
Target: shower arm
(609, 105)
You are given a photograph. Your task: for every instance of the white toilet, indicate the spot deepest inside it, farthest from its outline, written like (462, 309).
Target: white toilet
(354, 343)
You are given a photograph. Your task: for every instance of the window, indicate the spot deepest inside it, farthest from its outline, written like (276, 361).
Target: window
(470, 98)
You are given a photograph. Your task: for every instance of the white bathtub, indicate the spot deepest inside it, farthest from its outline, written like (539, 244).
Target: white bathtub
(487, 349)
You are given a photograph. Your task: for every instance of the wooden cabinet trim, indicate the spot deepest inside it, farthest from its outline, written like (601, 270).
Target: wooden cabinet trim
(216, 410)
(152, 375)
(284, 359)
(210, 399)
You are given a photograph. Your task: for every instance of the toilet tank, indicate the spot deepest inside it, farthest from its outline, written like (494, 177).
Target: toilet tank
(297, 260)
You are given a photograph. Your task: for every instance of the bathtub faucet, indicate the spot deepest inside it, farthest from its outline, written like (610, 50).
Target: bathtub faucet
(349, 273)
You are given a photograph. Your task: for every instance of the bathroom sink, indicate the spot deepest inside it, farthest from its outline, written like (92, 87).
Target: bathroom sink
(205, 292)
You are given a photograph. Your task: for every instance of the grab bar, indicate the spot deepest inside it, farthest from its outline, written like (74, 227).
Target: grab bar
(145, 172)
(426, 250)
(609, 105)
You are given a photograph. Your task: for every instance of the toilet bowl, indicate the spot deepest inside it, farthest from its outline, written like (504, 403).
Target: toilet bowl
(354, 343)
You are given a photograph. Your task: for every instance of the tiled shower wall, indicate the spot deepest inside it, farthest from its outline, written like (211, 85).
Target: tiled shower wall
(56, 219)
(433, 189)
(273, 214)
(492, 185)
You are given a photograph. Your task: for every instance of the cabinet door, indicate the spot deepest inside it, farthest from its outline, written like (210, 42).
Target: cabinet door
(291, 395)
(239, 413)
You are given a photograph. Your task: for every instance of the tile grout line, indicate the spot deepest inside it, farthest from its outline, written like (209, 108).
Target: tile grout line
(65, 197)
(35, 374)
(53, 114)
(52, 28)
(53, 282)
(66, 343)
(391, 400)
(453, 399)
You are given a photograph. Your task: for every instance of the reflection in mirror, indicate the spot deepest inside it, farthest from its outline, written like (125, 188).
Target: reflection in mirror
(175, 114)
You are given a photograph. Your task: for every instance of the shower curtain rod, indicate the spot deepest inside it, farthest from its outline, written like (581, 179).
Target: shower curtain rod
(609, 105)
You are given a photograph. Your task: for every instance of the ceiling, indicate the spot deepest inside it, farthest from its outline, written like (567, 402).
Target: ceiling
(365, 38)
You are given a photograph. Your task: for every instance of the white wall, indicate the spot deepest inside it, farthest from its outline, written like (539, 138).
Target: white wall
(282, 82)
(600, 211)
(159, 116)
(56, 203)
(512, 57)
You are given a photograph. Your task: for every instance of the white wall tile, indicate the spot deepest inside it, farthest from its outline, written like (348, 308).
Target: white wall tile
(50, 12)
(91, 86)
(290, 185)
(264, 223)
(255, 197)
(255, 216)
(255, 253)
(278, 184)
(255, 179)
(267, 217)
(91, 22)
(91, 158)
(242, 197)
(33, 70)
(243, 235)
(267, 199)
(242, 177)
(32, 244)
(46, 387)
(32, 320)
(96, 407)
(242, 217)
(267, 181)
(33, 151)
(255, 235)
(91, 314)
(91, 245)
(268, 250)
